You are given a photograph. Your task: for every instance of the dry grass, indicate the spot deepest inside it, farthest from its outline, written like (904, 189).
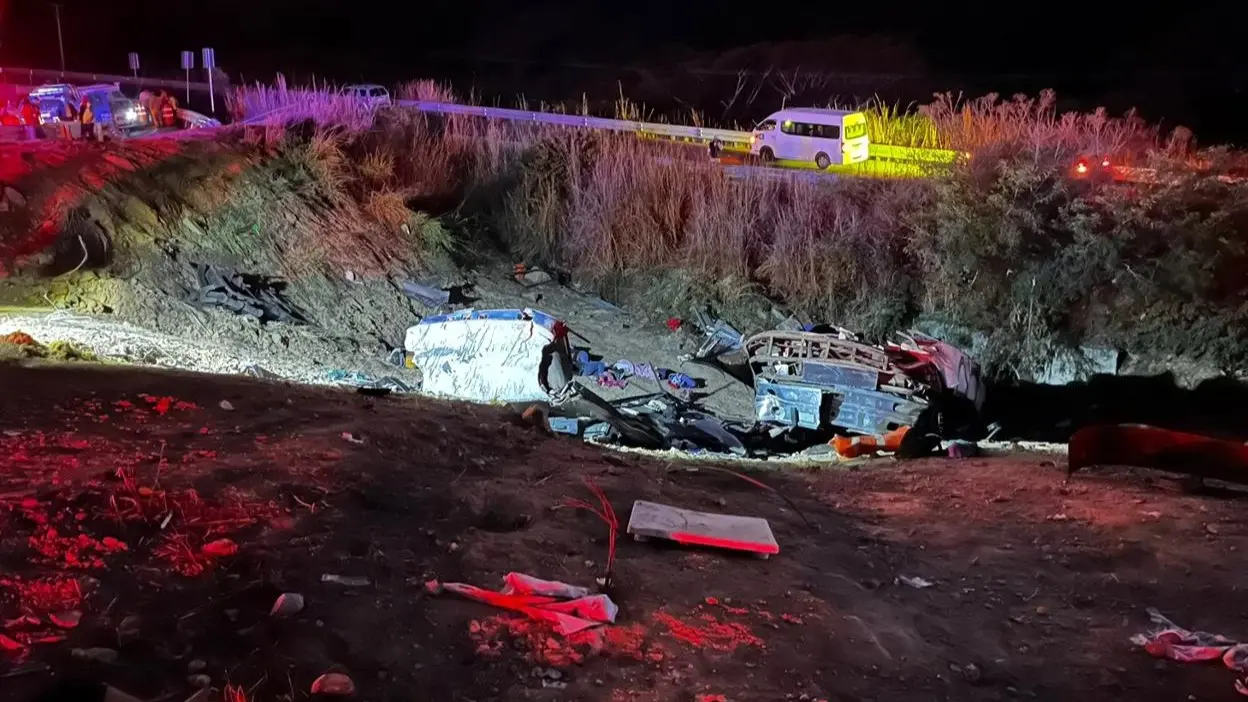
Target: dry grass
(387, 207)
(1022, 122)
(867, 253)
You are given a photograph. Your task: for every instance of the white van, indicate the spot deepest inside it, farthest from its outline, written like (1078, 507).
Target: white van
(826, 137)
(368, 95)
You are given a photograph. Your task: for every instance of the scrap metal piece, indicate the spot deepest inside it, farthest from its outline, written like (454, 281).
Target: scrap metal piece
(685, 526)
(811, 380)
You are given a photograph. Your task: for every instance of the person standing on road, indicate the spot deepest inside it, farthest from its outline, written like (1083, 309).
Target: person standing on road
(168, 112)
(86, 117)
(30, 117)
(174, 120)
(145, 101)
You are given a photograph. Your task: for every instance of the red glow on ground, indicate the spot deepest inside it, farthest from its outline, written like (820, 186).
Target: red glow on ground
(543, 646)
(709, 633)
(77, 551)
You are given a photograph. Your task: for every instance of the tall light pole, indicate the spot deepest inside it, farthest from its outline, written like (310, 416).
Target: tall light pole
(60, 38)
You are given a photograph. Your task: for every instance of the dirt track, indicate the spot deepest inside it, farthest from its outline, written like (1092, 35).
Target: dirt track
(1037, 584)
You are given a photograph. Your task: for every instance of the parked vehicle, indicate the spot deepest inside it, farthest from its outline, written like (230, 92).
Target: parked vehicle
(822, 136)
(109, 105)
(369, 94)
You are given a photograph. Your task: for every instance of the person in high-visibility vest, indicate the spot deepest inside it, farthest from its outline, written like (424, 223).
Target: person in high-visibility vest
(174, 119)
(29, 113)
(86, 117)
(168, 111)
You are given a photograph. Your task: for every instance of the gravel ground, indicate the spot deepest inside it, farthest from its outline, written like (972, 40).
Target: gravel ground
(113, 339)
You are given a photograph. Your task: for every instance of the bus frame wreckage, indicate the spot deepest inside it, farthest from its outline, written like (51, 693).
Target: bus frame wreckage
(813, 383)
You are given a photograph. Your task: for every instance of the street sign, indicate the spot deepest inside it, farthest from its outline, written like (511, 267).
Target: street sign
(188, 62)
(210, 64)
(134, 61)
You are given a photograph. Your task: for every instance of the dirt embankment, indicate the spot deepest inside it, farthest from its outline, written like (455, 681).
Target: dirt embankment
(118, 235)
(126, 230)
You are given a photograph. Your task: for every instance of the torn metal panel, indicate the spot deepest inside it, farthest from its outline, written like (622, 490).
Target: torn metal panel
(871, 411)
(788, 405)
(812, 380)
(482, 355)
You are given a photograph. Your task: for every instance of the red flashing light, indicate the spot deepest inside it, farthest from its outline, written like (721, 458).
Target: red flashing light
(1081, 168)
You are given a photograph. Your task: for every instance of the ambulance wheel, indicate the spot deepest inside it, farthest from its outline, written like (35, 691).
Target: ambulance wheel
(822, 161)
(767, 155)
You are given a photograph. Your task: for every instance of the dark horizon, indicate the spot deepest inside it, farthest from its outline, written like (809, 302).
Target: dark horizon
(1182, 69)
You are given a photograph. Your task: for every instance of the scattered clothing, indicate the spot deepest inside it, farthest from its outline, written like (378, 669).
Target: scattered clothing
(586, 366)
(610, 378)
(1178, 644)
(568, 607)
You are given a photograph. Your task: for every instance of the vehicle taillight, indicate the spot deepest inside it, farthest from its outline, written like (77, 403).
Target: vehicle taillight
(1081, 168)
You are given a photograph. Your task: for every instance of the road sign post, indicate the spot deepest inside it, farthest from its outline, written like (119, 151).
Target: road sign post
(134, 65)
(210, 63)
(188, 63)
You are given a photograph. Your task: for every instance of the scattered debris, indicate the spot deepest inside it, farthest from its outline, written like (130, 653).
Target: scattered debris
(334, 685)
(251, 295)
(98, 655)
(351, 438)
(855, 446)
(606, 513)
(569, 608)
(431, 296)
(533, 278)
(226, 405)
(345, 580)
(653, 520)
(962, 449)
(366, 382)
(288, 604)
(1171, 641)
(1142, 446)
(199, 680)
(66, 620)
(917, 583)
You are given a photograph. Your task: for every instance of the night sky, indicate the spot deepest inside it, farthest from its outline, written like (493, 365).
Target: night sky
(1191, 52)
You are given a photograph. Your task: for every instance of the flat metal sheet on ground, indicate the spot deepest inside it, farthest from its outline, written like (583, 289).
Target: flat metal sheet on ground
(685, 526)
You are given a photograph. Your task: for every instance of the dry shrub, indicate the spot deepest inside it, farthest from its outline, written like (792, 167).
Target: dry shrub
(1022, 123)
(387, 207)
(426, 91)
(377, 167)
(328, 162)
